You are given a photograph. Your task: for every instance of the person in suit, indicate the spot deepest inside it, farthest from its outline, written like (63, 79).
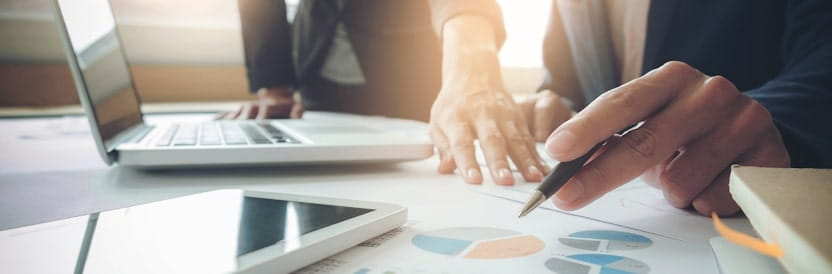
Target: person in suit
(404, 59)
(715, 83)
(366, 56)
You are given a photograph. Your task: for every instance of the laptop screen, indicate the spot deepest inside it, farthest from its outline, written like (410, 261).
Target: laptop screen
(105, 75)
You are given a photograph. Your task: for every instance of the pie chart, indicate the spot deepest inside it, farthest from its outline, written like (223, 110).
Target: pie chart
(478, 243)
(609, 264)
(605, 240)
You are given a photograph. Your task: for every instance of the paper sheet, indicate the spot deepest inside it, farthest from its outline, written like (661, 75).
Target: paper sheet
(454, 226)
(638, 206)
(488, 238)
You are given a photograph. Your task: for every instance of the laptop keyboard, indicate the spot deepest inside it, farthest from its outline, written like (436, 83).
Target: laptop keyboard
(223, 133)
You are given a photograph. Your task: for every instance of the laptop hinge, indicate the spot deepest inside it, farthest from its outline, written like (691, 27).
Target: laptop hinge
(131, 135)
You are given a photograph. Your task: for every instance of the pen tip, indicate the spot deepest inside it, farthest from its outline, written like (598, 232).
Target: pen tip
(534, 201)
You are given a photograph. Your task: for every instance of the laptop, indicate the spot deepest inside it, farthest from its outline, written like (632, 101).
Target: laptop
(112, 106)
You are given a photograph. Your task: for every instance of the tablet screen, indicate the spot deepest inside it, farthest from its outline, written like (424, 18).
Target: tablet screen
(211, 232)
(264, 222)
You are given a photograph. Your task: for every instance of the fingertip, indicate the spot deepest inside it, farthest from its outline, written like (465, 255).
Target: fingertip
(725, 209)
(564, 206)
(569, 194)
(504, 177)
(446, 165)
(561, 145)
(297, 111)
(543, 167)
(444, 169)
(703, 207)
(473, 176)
(534, 174)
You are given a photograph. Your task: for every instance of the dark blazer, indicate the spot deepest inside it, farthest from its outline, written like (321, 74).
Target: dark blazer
(778, 52)
(395, 42)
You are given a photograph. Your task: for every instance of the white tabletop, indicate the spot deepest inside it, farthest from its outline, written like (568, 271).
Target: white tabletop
(50, 170)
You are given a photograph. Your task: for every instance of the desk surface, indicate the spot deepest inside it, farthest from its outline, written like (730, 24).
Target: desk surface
(49, 170)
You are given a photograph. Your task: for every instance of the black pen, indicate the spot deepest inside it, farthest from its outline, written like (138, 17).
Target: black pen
(556, 179)
(561, 174)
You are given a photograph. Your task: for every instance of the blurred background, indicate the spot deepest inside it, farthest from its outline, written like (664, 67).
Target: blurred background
(191, 50)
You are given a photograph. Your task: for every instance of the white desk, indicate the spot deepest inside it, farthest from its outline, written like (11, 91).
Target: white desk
(49, 170)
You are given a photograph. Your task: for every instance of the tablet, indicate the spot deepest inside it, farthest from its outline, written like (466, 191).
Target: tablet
(223, 231)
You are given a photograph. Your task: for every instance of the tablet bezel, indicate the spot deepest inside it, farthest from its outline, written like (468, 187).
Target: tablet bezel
(314, 246)
(324, 242)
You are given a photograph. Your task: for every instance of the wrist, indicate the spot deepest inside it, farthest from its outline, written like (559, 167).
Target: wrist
(468, 33)
(470, 55)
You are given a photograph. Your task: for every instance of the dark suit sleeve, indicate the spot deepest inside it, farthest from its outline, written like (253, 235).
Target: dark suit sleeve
(267, 44)
(800, 97)
(444, 10)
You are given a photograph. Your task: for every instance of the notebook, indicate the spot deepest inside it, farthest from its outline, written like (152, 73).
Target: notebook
(790, 209)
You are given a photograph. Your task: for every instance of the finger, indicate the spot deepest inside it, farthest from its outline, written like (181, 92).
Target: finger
(494, 149)
(526, 106)
(446, 161)
(716, 198)
(619, 108)
(233, 114)
(246, 112)
(769, 150)
(574, 187)
(461, 140)
(264, 110)
(549, 113)
(766, 149)
(531, 145)
(279, 110)
(659, 137)
(297, 111)
(652, 174)
(222, 115)
(518, 144)
(701, 161)
(219, 115)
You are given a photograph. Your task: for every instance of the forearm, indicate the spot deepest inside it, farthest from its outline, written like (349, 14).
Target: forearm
(469, 45)
(267, 45)
(443, 11)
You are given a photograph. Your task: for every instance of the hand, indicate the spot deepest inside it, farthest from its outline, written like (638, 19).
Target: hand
(271, 103)
(473, 104)
(544, 111)
(695, 127)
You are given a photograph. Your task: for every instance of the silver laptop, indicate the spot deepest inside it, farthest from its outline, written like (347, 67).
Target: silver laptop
(108, 95)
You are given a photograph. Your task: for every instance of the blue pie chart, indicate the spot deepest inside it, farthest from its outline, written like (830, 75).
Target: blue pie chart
(606, 240)
(609, 264)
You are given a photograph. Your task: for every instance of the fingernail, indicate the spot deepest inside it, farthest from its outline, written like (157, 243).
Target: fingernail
(535, 173)
(505, 176)
(473, 176)
(569, 193)
(560, 143)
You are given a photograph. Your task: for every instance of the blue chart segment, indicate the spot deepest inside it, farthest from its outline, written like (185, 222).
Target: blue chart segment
(609, 264)
(604, 240)
(373, 271)
(441, 245)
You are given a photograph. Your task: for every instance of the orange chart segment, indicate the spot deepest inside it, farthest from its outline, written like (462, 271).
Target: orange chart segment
(506, 248)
